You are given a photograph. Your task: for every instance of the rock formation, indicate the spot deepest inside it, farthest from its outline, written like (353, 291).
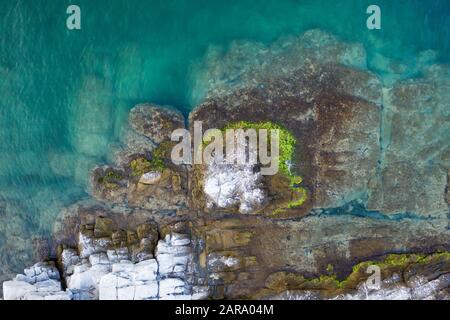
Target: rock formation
(364, 175)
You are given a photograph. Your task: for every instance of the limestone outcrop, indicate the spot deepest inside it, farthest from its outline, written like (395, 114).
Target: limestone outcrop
(39, 282)
(113, 266)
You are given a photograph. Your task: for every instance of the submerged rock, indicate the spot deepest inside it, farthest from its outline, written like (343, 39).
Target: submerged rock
(414, 141)
(155, 122)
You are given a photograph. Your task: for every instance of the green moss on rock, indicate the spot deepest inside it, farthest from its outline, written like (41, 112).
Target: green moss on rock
(141, 165)
(287, 140)
(110, 179)
(329, 284)
(287, 145)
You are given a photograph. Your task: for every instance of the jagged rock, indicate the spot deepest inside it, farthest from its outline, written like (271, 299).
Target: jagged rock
(84, 281)
(97, 270)
(129, 281)
(171, 288)
(85, 213)
(142, 175)
(69, 258)
(88, 245)
(349, 147)
(161, 278)
(39, 282)
(173, 255)
(155, 122)
(229, 186)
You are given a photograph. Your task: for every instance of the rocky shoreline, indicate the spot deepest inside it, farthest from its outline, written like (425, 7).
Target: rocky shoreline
(371, 157)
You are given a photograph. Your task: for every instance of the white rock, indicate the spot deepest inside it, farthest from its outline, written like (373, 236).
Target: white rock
(48, 286)
(62, 295)
(91, 275)
(227, 186)
(146, 270)
(115, 256)
(146, 291)
(69, 257)
(99, 258)
(130, 281)
(88, 246)
(151, 177)
(170, 287)
(123, 266)
(177, 239)
(108, 287)
(172, 255)
(86, 282)
(16, 290)
(125, 293)
(42, 282)
(166, 247)
(169, 263)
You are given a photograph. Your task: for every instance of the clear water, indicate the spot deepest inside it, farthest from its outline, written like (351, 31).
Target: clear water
(64, 95)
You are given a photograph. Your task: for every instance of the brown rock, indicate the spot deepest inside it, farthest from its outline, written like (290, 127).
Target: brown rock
(119, 238)
(132, 237)
(104, 227)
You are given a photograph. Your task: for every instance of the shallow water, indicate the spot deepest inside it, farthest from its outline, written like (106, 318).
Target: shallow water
(64, 95)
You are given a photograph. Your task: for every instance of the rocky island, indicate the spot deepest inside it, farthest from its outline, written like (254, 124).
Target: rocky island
(363, 181)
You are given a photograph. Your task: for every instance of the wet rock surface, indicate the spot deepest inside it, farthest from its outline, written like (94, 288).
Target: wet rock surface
(403, 277)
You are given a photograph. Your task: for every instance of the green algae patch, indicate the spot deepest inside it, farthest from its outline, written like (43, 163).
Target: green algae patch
(287, 143)
(163, 150)
(142, 164)
(110, 179)
(330, 285)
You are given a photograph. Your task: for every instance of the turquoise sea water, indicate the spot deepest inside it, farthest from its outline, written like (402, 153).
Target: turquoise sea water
(64, 95)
